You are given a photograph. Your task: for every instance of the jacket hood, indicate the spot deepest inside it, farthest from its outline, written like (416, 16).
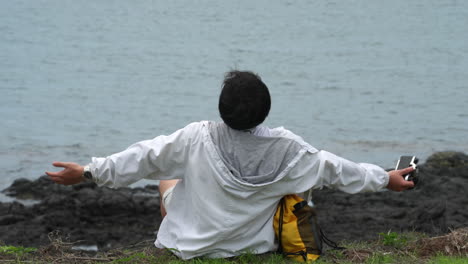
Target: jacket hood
(256, 156)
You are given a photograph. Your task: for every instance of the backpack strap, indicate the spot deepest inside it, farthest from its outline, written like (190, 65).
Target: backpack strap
(280, 225)
(329, 242)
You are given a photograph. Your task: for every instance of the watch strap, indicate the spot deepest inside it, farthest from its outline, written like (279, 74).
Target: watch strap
(87, 175)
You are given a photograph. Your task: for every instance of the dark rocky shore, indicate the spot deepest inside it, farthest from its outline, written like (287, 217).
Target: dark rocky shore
(82, 213)
(114, 218)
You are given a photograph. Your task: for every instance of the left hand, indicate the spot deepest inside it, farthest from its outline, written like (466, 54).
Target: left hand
(71, 174)
(397, 182)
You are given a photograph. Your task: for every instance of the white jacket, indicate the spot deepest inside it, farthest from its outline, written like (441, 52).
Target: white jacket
(231, 182)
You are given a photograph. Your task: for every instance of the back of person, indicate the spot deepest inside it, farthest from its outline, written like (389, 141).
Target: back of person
(233, 181)
(227, 178)
(230, 192)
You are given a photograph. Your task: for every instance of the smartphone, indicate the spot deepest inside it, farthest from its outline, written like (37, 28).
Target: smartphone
(405, 162)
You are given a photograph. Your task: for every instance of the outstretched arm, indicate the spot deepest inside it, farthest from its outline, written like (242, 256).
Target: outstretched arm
(161, 158)
(324, 169)
(72, 173)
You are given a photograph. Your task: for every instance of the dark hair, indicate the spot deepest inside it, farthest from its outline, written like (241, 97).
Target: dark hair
(245, 101)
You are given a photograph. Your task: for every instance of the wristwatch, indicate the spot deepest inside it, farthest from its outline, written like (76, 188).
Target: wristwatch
(87, 175)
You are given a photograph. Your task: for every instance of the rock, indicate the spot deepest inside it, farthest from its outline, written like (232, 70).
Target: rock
(36, 190)
(11, 219)
(96, 216)
(447, 160)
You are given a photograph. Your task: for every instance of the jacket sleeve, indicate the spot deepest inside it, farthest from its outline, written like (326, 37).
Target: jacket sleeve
(160, 158)
(324, 169)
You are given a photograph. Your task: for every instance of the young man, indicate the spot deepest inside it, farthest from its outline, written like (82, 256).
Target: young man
(221, 182)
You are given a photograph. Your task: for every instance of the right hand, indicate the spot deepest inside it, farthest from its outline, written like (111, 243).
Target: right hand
(71, 174)
(397, 182)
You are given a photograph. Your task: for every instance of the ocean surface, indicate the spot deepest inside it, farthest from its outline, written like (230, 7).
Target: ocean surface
(368, 80)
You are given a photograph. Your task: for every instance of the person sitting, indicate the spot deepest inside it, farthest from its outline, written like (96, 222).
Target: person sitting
(221, 182)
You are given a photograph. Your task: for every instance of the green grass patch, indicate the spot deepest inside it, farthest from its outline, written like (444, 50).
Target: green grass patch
(17, 251)
(394, 239)
(448, 260)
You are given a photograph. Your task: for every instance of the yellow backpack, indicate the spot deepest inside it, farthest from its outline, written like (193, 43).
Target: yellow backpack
(296, 228)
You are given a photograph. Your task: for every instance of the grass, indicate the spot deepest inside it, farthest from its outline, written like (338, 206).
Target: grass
(17, 251)
(392, 247)
(393, 239)
(448, 260)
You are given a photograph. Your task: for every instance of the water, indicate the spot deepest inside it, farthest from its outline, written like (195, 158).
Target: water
(368, 80)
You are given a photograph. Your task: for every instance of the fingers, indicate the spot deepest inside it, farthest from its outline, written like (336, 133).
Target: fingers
(409, 184)
(397, 182)
(53, 174)
(406, 170)
(58, 176)
(71, 173)
(405, 185)
(61, 164)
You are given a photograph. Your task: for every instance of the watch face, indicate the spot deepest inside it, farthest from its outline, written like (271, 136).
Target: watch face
(88, 175)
